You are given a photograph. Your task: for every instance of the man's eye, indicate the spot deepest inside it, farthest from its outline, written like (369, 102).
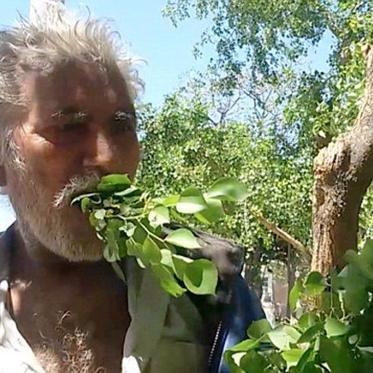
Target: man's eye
(124, 122)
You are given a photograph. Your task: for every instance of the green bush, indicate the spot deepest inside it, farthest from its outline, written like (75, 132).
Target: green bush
(331, 329)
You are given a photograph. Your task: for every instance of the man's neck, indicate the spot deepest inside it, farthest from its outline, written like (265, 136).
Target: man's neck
(46, 288)
(39, 255)
(28, 244)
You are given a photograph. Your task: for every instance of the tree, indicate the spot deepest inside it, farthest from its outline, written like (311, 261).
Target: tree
(270, 38)
(183, 146)
(343, 172)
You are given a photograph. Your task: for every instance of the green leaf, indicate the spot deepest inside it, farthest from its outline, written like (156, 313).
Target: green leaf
(292, 356)
(228, 189)
(100, 214)
(159, 216)
(191, 201)
(110, 255)
(84, 204)
(336, 353)
(364, 261)
(169, 201)
(176, 263)
(310, 367)
(98, 224)
(308, 356)
(113, 183)
(140, 234)
(246, 345)
(131, 191)
(259, 328)
(314, 284)
(295, 294)
(183, 238)
(167, 280)
(128, 228)
(212, 213)
(134, 248)
(335, 328)
(307, 320)
(231, 359)
(367, 251)
(116, 246)
(179, 264)
(353, 289)
(356, 260)
(277, 361)
(283, 336)
(151, 252)
(201, 277)
(311, 333)
(253, 362)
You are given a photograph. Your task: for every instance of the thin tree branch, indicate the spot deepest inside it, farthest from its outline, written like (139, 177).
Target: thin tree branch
(297, 245)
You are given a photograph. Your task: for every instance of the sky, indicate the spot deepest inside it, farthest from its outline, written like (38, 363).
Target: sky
(166, 50)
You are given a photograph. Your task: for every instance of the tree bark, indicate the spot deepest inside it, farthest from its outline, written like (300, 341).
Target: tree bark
(343, 171)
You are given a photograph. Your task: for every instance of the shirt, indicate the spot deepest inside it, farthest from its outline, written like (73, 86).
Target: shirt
(165, 334)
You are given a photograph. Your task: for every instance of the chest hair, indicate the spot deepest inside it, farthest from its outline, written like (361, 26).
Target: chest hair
(68, 351)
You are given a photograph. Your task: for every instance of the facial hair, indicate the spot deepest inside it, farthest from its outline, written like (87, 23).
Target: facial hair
(54, 224)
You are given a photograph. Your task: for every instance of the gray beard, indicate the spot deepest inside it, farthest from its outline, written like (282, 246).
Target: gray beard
(46, 225)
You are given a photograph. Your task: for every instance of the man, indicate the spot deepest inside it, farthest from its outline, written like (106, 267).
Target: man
(67, 118)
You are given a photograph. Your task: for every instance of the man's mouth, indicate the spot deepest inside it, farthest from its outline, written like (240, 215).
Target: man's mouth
(75, 187)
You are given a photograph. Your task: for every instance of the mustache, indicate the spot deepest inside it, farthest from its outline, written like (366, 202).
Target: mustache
(76, 185)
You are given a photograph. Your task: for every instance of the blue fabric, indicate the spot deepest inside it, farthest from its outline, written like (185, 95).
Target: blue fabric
(243, 309)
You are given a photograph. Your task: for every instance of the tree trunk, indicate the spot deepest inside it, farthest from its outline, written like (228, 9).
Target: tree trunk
(343, 171)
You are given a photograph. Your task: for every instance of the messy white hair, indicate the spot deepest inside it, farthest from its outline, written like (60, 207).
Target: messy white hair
(55, 37)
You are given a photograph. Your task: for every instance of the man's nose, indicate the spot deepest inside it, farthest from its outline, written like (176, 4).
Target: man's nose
(100, 151)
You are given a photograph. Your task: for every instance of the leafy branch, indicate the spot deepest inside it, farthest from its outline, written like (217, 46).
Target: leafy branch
(131, 223)
(331, 331)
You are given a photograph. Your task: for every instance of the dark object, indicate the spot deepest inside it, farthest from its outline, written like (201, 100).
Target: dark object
(243, 308)
(228, 314)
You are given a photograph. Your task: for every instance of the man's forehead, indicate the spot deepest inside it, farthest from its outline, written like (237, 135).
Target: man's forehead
(75, 88)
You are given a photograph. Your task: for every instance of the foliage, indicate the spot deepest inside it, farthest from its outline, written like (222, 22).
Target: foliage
(271, 40)
(331, 330)
(182, 146)
(131, 223)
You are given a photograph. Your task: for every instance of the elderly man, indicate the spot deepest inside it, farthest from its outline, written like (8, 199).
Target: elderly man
(67, 118)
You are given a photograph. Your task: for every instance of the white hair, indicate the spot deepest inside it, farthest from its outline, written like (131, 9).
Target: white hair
(57, 36)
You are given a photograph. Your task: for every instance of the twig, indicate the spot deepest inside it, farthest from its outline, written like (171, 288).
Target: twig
(283, 235)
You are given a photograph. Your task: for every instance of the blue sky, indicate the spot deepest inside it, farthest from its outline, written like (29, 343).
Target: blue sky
(167, 50)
